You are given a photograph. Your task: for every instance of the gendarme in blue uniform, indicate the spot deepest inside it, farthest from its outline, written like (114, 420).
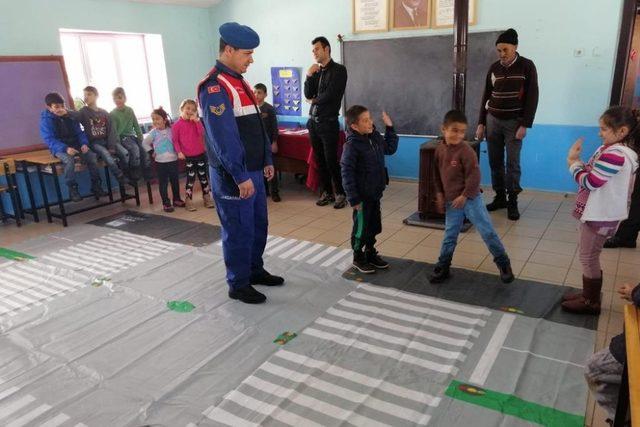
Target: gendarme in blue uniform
(238, 149)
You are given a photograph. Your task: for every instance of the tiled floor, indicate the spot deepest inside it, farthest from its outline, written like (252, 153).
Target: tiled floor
(542, 244)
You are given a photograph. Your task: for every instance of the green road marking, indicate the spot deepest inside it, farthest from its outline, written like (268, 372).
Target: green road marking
(512, 405)
(180, 306)
(285, 337)
(13, 255)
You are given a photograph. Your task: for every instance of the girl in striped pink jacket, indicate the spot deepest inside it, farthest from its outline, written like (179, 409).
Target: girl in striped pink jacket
(605, 184)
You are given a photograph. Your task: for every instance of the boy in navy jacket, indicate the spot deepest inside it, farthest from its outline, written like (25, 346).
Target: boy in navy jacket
(66, 140)
(364, 178)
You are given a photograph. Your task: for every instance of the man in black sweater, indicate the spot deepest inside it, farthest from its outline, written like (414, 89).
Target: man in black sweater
(508, 108)
(324, 87)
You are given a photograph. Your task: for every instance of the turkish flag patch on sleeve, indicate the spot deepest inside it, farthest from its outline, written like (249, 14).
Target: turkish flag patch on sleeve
(213, 89)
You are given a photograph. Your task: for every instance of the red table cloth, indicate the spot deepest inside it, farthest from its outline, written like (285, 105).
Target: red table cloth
(295, 144)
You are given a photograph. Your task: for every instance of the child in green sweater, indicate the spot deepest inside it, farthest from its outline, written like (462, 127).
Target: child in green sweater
(129, 134)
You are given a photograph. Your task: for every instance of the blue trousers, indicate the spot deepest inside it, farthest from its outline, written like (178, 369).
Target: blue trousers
(476, 212)
(244, 226)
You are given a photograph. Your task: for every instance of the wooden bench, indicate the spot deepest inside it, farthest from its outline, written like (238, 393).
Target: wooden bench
(8, 170)
(48, 165)
(629, 397)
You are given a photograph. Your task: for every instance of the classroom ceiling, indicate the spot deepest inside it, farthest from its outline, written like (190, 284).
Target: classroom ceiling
(196, 3)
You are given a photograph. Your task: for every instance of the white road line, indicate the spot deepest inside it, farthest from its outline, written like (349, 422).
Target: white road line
(356, 377)
(543, 357)
(321, 255)
(307, 252)
(335, 258)
(219, 415)
(294, 250)
(12, 407)
(28, 417)
(55, 421)
(386, 352)
(269, 410)
(488, 358)
(274, 250)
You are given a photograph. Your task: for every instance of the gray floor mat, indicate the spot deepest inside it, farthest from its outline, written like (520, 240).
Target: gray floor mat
(162, 227)
(87, 339)
(525, 297)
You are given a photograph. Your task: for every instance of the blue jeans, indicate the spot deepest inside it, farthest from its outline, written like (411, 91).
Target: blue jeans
(130, 143)
(476, 212)
(99, 146)
(89, 158)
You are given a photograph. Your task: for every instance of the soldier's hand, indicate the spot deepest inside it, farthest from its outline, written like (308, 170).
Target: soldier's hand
(246, 189)
(269, 172)
(313, 69)
(71, 151)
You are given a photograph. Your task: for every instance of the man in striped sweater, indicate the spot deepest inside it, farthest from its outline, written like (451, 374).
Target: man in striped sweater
(508, 108)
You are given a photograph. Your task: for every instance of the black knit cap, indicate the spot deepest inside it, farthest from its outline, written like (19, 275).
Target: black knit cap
(510, 36)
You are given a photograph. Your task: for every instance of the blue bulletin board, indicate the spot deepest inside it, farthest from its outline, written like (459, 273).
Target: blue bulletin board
(286, 91)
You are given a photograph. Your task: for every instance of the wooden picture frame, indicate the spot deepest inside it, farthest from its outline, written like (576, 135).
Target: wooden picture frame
(399, 18)
(378, 17)
(440, 7)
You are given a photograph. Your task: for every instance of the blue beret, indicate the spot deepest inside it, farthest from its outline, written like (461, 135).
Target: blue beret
(239, 36)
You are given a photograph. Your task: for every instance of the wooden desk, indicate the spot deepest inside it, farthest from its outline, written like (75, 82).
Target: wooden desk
(47, 165)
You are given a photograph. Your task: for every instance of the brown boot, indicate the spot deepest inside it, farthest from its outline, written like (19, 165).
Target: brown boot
(208, 201)
(589, 301)
(188, 204)
(574, 294)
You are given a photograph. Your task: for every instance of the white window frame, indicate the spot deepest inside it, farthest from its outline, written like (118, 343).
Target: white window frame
(111, 38)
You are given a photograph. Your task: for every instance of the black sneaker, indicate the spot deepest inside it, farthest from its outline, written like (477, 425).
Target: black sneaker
(499, 202)
(325, 199)
(375, 260)
(248, 295)
(361, 263)
(266, 279)
(439, 275)
(74, 194)
(616, 242)
(341, 201)
(506, 274)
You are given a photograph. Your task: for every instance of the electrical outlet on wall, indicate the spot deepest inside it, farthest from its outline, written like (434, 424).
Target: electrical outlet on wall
(577, 52)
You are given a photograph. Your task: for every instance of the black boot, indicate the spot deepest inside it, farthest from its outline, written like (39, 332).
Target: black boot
(440, 274)
(96, 189)
(361, 264)
(512, 208)
(74, 194)
(506, 273)
(248, 295)
(499, 202)
(266, 279)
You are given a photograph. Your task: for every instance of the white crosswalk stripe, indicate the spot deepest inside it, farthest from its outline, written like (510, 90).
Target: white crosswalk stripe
(27, 284)
(393, 330)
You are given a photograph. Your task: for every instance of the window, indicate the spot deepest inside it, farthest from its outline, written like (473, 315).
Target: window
(109, 60)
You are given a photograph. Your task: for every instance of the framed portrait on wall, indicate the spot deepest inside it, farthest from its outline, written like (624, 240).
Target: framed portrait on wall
(410, 14)
(442, 13)
(370, 16)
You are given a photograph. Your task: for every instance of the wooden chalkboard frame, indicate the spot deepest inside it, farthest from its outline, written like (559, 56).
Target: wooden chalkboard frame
(38, 58)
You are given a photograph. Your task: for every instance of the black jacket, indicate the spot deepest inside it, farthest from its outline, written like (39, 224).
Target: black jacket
(327, 87)
(364, 176)
(618, 345)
